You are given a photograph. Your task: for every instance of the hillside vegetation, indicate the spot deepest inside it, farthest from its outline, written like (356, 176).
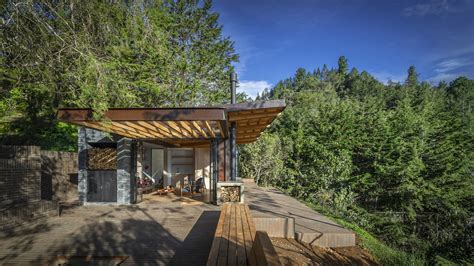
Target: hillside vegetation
(393, 159)
(396, 159)
(102, 54)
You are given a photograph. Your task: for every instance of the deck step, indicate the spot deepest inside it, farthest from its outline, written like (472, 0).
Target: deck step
(333, 240)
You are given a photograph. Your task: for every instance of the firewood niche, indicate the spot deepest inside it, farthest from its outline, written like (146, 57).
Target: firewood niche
(229, 191)
(230, 194)
(102, 159)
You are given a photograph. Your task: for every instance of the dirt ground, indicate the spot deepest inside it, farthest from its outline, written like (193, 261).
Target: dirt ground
(292, 252)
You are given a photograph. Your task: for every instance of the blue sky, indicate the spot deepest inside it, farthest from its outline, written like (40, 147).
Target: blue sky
(274, 38)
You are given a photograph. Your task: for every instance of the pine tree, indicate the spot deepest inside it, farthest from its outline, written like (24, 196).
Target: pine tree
(396, 159)
(107, 54)
(317, 74)
(412, 78)
(342, 66)
(325, 73)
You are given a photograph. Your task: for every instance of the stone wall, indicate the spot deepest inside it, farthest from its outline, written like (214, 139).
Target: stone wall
(125, 173)
(59, 176)
(86, 137)
(29, 174)
(20, 174)
(32, 182)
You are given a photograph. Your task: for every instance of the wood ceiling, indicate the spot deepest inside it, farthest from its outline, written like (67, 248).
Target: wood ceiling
(186, 127)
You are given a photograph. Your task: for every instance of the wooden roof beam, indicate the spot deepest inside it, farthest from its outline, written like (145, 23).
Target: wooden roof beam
(142, 130)
(197, 126)
(209, 129)
(132, 129)
(233, 118)
(145, 114)
(177, 128)
(221, 129)
(185, 125)
(151, 129)
(167, 128)
(102, 128)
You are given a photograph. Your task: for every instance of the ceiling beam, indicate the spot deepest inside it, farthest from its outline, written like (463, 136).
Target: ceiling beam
(166, 127)
(233, 118)
(145, 114)
(102, 128)
(206, 124)
(254, 105)
(199, 128)
(184, 124)
(177, 128)
(221, 129)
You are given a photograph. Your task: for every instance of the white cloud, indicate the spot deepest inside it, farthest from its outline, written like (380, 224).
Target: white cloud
(443, 76)
(451, 68)
(385, 77)
(433, 7)
(253, 87)
(452, 64)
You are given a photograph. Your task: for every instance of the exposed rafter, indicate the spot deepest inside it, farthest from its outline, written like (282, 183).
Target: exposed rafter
(181, 126)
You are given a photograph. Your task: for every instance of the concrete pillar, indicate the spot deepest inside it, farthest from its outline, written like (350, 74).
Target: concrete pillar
(124, 171)
(82, 147)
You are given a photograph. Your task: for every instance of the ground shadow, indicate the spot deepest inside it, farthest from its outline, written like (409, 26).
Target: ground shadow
(197, 244)
(143, 242)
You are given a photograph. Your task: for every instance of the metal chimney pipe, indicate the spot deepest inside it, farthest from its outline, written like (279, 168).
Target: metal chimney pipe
(233, 84)
(233, 131)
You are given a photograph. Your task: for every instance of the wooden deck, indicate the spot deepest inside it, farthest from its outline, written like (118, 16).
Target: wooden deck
(234, 235)
(161, 230)
(236, 242)
(311, 226)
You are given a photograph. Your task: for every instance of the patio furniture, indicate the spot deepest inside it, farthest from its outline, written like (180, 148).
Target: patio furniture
(236, 242)
(198, 185)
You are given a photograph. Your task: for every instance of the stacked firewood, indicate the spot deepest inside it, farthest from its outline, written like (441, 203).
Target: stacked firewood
(102, 159)
(230, 194)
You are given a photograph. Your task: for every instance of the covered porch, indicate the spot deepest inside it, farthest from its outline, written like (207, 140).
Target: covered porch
(190, 151)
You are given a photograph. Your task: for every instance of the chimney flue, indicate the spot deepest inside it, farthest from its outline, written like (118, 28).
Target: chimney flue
(233, 84)
(233, 131)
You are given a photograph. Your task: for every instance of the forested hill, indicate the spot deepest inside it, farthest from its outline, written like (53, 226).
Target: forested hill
(396, 159)
(103, 54)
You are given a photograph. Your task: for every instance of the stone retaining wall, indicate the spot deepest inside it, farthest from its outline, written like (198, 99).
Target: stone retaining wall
(32, 182)
(20, 174)
(59, 176)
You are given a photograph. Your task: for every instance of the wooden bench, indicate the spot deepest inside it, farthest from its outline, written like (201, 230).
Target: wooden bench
(237, 243)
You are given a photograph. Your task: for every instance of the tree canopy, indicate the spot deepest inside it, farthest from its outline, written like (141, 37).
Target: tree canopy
(102, 54)
(397, 159)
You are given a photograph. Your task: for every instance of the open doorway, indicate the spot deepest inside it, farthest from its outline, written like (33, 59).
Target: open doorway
(157, 166)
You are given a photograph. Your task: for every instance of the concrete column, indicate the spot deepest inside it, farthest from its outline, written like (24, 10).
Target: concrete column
(124, 170)
(233, 151)
(82, 147)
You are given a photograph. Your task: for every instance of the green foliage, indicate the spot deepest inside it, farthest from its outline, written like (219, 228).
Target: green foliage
(412, 78)
(103, 54)
(267, 164)
(342, 65)
(383, 253)
(395, 159)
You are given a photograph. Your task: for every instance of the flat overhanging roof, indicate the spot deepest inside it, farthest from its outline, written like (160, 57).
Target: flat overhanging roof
(192, 126)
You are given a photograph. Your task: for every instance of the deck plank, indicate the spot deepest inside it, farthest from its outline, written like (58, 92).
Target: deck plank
(241, 253)
(224, 245)
(251, 234)
(232, 253)
(212, 259)
(235, 241)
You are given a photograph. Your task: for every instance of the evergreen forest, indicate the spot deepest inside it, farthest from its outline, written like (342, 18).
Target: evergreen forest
(394, 159)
